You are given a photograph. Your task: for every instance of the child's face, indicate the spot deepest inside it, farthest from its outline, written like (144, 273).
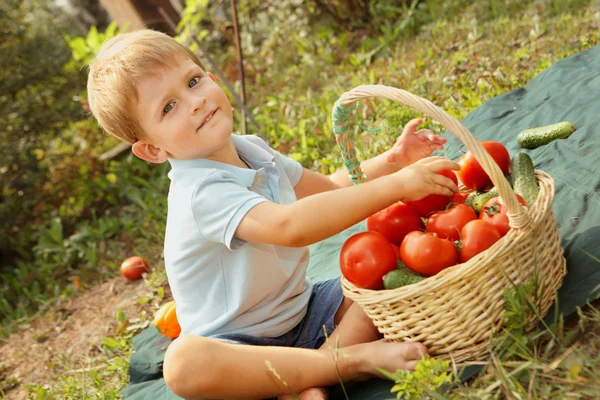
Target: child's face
(183, 112)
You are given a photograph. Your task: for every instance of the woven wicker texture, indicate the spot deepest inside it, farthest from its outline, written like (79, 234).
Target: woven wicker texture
(455, 312)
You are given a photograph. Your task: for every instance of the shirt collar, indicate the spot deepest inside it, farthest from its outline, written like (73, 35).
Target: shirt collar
(254, 155)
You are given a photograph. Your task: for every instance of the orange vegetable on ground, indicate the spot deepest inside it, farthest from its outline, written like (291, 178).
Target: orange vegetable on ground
(166, 321)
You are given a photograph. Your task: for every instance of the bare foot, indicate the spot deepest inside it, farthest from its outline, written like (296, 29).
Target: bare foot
(390, 356)
(308, 394)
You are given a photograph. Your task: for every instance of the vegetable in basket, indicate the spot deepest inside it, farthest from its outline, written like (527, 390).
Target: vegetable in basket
(477, 236)
(472, 174)
(494, 212)
(433, 202)
(365, 258)
(427, 254)
(523, 177)
(401, 276)
(477, 200)
(447, 224)
(395, 222)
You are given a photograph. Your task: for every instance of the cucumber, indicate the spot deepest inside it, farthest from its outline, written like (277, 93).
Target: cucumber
(477, 200)
(536, 137)
(400, 277)
(523, 177)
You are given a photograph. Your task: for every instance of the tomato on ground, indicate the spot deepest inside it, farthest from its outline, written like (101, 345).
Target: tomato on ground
(494, 211)
(472, 175)
(427, 254)
(433, 202)
(477, 235)
(395, 221)
(133, 267)
(365, 258)
(447, 224)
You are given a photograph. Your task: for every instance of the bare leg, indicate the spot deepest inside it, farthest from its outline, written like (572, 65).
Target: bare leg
(353, 327)
(198, 367)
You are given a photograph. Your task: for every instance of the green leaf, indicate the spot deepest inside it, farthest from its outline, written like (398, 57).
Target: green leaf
(135, 195)
(110, 343)
(111, 30)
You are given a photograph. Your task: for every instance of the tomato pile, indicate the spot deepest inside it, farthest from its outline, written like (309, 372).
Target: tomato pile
(432, 234)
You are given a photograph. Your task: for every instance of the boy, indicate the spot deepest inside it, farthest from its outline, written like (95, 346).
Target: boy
(240, 217)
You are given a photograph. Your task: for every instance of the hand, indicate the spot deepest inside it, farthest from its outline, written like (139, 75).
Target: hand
(413, 145)
(421, 179)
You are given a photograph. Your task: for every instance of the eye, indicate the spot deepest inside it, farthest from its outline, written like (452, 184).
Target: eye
(168, 108)
(194, 81)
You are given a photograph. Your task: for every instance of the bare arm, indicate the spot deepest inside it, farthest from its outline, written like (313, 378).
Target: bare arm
(411, 146)
(313, 182)
(325, 214)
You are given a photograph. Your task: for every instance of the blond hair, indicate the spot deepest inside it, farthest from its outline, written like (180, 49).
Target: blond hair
(115, 71)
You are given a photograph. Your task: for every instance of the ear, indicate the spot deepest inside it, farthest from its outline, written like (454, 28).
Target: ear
(211, 76)
(149, 152)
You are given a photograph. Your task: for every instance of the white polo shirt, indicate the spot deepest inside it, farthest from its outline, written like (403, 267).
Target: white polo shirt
(222, 284)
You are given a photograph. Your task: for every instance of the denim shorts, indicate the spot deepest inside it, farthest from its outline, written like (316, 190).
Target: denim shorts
(325, 300)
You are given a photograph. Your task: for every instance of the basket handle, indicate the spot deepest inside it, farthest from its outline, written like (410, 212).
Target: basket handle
(345, 105)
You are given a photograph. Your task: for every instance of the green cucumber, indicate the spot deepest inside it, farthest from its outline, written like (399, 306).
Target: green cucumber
(400, 277)
(536, 137)
(524, 181)
(477, 200)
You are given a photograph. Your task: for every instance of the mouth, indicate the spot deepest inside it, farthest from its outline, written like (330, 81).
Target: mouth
(208, 117)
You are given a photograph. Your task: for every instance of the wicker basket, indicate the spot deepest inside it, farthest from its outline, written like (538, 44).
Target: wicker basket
(455, 312)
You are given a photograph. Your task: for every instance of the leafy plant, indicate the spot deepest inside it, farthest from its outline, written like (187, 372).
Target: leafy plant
(429, 376)
(83, 49)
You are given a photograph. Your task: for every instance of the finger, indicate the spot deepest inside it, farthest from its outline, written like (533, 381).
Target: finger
(436, 139)
(445, 183)
(412, 125)
(429, 160)
(442, 163)
(428, 136)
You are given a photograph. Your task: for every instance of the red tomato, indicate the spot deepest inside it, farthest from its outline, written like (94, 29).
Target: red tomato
(365, 258)
(433, 202)
(473, 176)
(459, 198)
(427, 254)
(395, 222)
(477, 236)
(447, 224)
(396, 250)
(133, 267)
(494, 212)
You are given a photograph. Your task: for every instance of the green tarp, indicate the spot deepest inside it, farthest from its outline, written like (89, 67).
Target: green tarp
(567, 91)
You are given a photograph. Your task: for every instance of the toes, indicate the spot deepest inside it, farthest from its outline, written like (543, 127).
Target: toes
(314, 394)
(412, 351)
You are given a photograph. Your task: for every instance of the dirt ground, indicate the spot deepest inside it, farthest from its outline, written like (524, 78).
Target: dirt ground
(72, 330)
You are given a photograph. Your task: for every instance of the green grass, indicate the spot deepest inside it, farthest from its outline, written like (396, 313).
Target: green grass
(458, 56)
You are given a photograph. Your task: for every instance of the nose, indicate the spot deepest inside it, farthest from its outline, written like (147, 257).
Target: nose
(198, 103)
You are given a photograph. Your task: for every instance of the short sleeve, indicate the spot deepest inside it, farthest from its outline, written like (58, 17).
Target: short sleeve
(292, 168)
(219, 203)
